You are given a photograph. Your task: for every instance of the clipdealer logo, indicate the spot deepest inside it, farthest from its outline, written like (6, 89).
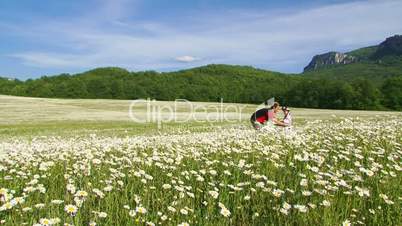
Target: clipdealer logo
(182, 111)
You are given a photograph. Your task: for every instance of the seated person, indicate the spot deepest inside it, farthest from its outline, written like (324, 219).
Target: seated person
(262, 116)
(287, 119)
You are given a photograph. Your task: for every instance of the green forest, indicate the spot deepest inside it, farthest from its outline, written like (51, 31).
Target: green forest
(240, 84)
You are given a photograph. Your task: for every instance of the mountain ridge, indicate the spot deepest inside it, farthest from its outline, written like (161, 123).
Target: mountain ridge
(386, 51)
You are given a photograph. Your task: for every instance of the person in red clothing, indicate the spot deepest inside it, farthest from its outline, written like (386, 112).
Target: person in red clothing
(262, 116)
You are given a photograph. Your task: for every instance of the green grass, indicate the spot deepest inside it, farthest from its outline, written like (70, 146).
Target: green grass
(30, 117)
(254, 174)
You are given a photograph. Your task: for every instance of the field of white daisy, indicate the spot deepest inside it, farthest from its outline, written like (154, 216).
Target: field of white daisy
(82, 162)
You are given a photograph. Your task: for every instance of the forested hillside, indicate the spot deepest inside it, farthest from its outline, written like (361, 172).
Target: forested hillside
(375, 72)
(210, 83)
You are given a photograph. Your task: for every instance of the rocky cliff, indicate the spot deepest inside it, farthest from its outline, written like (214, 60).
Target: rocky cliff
(330, 58)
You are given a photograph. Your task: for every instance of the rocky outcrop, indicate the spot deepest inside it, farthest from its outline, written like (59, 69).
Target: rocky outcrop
(330, 58)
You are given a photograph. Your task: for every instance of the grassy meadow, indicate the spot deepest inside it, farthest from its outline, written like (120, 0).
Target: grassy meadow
(31, 117)
(85, 162)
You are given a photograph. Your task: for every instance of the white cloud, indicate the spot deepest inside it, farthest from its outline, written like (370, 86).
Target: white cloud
(279, 41)
(186, 59)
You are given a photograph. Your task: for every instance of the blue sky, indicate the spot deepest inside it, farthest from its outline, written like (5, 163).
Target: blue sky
(49, 37)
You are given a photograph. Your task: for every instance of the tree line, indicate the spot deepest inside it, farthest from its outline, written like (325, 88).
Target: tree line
(210, 83)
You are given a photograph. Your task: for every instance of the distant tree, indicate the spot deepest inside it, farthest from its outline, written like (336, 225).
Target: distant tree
(98, 88)
(18, 90)
(116, 89)
(367, 96)
(43, 90)
(392, 91)
(75, 89)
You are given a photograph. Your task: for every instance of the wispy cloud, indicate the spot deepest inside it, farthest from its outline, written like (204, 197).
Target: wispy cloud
(57, 60)
(281, 41)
